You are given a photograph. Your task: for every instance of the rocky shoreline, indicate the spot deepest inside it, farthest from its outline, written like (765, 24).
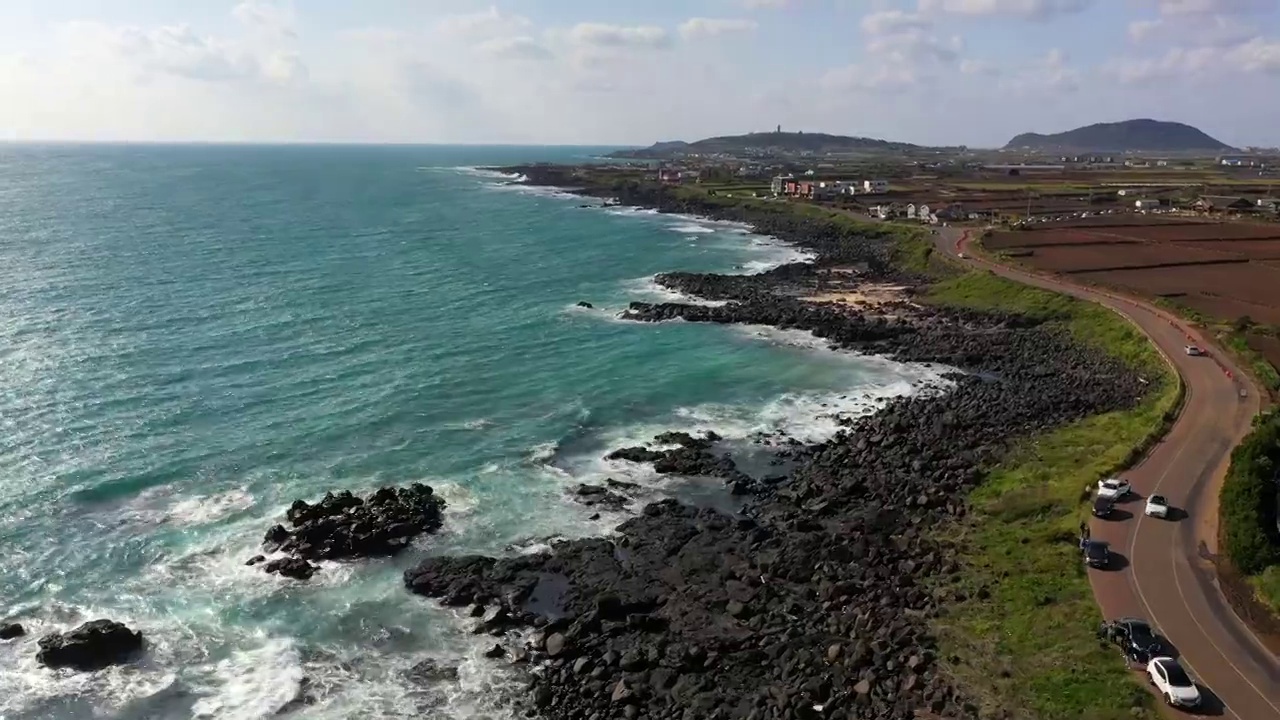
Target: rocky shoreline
(814, 601)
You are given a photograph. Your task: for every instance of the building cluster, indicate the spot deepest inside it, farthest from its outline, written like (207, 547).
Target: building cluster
(811, 189)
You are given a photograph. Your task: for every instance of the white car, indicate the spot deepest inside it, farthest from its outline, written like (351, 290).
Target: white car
(1177, 687)
(1113, 488)
(1194, 350)
(1157, 506)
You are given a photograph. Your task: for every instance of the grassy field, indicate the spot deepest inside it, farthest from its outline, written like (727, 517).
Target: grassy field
(1030, 645)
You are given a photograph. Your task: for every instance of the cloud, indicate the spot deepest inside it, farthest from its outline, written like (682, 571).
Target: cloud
(701, 27)
(172, 49)
(602, 35)
(270, 17)
(487, 23)
(1030, 9)
(765, 4)
(893, 21)
(515, 48)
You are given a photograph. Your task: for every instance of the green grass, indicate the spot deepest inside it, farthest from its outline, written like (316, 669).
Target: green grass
(1261, 369)
(1266, 586)
(1031, 644)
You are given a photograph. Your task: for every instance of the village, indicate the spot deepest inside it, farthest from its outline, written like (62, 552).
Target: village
(948, 190)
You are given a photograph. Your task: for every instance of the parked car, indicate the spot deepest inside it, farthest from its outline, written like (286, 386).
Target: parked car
(1177, 687)
(1102, 506)
(1194, 350)
(1137, 640)
(1113, 488)
(1157, 506)
(1097, 554)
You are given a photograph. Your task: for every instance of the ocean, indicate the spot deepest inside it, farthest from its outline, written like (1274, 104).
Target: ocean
(192, 337)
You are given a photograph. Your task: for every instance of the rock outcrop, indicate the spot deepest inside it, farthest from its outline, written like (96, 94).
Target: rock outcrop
(92, 646)
(343, 526)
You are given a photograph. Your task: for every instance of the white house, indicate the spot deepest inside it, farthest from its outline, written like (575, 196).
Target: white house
(911, 211)
(922, 212)
(779, 184)
(875, 187)
(1146, 204)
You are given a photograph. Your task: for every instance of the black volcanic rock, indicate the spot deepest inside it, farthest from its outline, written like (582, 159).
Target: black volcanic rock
(818, 592)
(9, 631)
(343, 526)
(92, 646)
(1143, 135)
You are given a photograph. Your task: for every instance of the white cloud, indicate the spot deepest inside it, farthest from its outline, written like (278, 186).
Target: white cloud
(765, 4)
(1140, 30)
(1031, 9)
(712, 27)
(270, 17)
(893, 21)
(602, 35)
(487, 23)
(521, 47)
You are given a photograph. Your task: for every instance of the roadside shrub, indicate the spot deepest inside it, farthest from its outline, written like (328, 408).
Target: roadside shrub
(1247, 507)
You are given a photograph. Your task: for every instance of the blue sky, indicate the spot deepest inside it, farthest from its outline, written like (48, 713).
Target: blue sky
(571, 71)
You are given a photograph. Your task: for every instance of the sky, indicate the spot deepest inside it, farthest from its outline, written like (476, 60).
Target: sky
(630, 72)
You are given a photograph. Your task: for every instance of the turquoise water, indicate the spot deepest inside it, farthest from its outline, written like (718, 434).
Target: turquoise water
(193, 337)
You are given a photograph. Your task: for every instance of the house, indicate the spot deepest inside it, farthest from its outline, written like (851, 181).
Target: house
(923, 212)
(1270, 205)
(779, 184)
(1222, 203)
(875, 187)
(1146, 204)
(911, 211)
(670, 176)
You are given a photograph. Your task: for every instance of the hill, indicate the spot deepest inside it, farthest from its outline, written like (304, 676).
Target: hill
(768, 143)
(1142, 135)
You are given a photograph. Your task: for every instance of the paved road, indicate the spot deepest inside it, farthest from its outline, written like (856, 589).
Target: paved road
(1162, 574)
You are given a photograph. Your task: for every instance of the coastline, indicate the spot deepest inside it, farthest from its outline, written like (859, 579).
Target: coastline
(820, 574)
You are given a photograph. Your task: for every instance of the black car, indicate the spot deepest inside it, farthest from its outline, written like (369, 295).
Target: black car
(1138, 641)
(1102, 507)
(1097, 554)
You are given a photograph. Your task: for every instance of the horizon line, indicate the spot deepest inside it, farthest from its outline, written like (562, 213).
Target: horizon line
(311, 143)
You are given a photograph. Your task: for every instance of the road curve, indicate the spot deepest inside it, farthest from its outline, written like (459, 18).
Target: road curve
(1163, 574)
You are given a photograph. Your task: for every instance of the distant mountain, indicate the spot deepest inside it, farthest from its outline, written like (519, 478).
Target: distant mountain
(767, 142)
(1141, 135)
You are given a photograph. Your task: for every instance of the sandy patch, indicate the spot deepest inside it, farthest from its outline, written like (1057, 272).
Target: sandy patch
(865, 296)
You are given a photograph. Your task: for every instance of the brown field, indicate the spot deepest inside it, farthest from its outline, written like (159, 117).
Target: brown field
(1231, 291)
(1257, 249)
(1197, 231)
(1076, 258)
(1230, 270)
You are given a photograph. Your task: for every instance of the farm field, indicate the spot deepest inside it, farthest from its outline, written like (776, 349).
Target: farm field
(1077, 258)
(1195, 231)
(1222, 270)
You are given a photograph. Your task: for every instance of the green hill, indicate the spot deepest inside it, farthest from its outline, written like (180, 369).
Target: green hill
(1143, 135)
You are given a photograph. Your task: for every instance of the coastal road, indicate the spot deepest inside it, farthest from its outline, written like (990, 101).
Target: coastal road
(1163, 573)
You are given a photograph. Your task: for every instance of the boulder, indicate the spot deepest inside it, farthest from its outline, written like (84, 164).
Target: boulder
(92, 646)
(9, 631)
